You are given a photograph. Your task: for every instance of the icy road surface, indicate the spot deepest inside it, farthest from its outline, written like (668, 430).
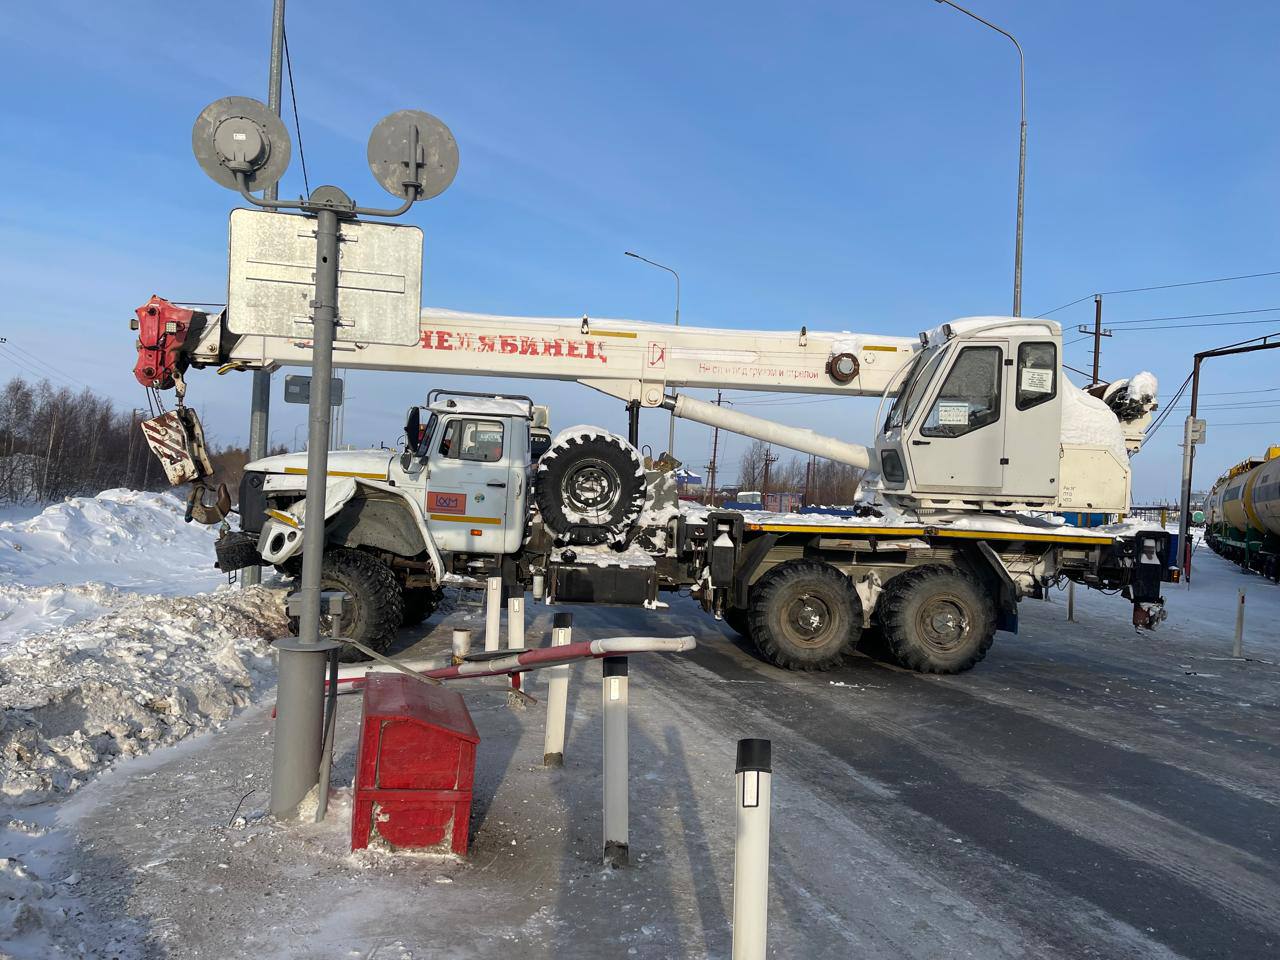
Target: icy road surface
(1085, 792)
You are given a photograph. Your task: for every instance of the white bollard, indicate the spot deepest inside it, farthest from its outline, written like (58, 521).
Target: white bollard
(616, 843)
(461, 643)
(493, 613)
(1071, 601)
(1237, 649)
(753, 782)
(515, 623)
(557, 696)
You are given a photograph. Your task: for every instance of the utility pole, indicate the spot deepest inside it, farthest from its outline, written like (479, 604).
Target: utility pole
(260, 392)
(1022, 149)
(1097, 333)
(770, 458)
(671, 433)
(710, 497)
(808, 479)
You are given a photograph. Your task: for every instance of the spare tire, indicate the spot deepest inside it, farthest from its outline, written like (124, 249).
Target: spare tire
(590, 486)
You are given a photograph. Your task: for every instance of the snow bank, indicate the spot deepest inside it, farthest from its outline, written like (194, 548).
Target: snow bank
(147, 674)
(79, 558)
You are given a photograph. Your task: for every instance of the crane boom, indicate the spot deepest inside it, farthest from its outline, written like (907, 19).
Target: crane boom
(627, 359)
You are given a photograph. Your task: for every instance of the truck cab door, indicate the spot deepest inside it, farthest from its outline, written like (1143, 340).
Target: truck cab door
(1033, 423)
(469, 486)
(955, 443)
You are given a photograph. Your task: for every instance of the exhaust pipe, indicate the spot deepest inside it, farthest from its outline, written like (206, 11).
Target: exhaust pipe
(793, 438)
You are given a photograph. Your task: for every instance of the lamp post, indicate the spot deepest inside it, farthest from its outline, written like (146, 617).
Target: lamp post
(671, 436)
(1022, 151)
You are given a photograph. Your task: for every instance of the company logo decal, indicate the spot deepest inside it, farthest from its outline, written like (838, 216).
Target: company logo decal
(514, 345)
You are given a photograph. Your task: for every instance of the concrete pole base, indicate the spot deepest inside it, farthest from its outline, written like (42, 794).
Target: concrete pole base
(553, 759)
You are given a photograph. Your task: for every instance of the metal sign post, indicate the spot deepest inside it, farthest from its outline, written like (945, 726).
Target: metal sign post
(243, 146)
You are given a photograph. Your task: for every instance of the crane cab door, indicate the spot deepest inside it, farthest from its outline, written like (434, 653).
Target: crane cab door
(475, 489)
(955, 443)
(1033, 419)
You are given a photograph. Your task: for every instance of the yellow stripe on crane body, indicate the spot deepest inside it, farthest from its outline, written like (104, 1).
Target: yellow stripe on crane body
(882, 349)
(624, 334)
(302, 472)
(284, 518)
(453, 518)
(928, 532)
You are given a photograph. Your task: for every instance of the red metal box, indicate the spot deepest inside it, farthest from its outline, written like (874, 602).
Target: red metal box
(415, 767)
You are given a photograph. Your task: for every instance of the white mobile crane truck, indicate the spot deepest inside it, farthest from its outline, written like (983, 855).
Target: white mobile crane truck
(982, 439)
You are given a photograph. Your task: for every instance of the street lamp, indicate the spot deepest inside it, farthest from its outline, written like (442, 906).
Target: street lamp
(671, 436)
(1022, 151)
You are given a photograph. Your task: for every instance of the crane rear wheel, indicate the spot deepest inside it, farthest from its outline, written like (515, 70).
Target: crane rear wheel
(938, 619)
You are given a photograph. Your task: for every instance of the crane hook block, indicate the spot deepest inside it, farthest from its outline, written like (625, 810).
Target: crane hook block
(162, 331)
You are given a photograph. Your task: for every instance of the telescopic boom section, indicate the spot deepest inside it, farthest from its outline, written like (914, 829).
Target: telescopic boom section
(632, 361)
(627, 359)
(793, 438)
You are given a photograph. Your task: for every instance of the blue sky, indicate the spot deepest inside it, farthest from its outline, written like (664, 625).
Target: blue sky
(841, 165)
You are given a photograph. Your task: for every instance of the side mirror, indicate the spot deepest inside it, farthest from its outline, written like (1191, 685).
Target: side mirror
(412, 426)
(406, 460)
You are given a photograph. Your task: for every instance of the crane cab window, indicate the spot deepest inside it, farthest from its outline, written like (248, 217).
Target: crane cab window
(1037, 374)
(479, 441)
(970, 396)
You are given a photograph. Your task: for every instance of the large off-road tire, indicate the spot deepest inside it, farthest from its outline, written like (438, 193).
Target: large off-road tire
(374, 608)
(938, 619)
(805, 615)
(590, 487)
(419, 603)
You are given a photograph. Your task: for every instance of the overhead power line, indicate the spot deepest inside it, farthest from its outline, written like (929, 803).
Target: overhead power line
(1161, 286)
(297, 125)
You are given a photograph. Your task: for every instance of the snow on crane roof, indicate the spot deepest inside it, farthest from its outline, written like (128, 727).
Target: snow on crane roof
(493, 406)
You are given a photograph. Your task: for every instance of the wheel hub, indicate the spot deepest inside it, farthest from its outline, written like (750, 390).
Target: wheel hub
(591, 487)
(809, 617)
(943, 623)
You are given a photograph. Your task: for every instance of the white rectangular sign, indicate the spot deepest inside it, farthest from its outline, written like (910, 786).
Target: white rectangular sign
(271, 278)
(953, 413)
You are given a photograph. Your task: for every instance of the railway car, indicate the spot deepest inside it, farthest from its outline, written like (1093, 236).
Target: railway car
(1242, 515)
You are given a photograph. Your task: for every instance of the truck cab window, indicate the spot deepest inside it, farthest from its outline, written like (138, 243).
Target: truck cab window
(914, 387)
(970, 396)
(1037, 374)
(479, 441)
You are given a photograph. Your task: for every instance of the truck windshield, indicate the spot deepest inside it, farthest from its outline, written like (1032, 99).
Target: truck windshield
(914, 387)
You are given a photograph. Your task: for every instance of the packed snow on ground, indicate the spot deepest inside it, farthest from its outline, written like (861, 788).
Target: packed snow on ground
(82, 557)
(105, 654)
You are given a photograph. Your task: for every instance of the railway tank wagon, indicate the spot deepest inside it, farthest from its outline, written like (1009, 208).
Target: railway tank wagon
(1242, 517)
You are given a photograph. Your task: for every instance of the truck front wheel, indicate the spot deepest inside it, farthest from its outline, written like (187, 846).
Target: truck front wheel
(805, 615)
(938, 619)
(374, 606)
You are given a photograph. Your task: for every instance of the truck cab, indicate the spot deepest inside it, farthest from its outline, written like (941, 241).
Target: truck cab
(976, 420)
(466, 463)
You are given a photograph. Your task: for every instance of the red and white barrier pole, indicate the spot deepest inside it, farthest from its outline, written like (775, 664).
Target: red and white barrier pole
(439, 668)
(753, 782)
(616, 813)
(557, 696)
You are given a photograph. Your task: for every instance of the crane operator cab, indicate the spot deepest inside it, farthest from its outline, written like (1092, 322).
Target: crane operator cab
(977, 418)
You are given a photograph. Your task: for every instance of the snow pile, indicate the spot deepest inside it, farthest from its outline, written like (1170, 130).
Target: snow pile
(149, 673)
(1087, 420)
(79, 558)
(124, 538)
